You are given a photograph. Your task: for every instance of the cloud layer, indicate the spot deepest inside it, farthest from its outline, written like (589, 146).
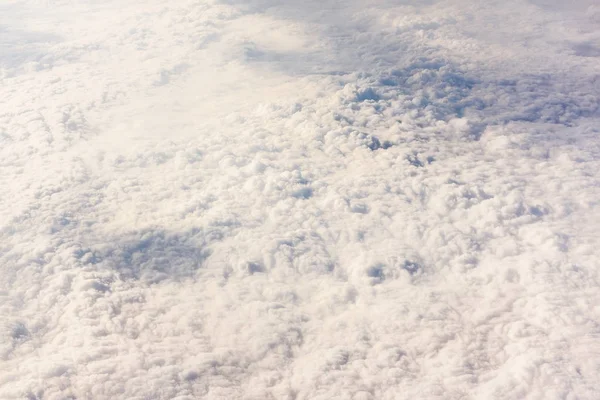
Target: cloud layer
(299, 200)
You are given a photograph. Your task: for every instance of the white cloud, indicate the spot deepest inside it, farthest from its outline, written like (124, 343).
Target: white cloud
(292, 200)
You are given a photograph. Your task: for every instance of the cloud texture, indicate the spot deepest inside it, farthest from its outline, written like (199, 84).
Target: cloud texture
(299, 200)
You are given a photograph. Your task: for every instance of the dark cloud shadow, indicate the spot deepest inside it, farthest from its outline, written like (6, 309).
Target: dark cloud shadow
(152, 255)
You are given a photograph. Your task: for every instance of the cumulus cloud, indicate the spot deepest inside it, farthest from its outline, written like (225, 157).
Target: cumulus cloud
(299, 200)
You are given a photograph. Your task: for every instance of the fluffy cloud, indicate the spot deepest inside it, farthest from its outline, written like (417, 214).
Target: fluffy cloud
(299, 200)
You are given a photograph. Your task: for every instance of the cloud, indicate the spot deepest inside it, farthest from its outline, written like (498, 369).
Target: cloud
(238, 200)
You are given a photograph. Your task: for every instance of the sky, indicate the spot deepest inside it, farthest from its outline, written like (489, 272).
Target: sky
(261, 199)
